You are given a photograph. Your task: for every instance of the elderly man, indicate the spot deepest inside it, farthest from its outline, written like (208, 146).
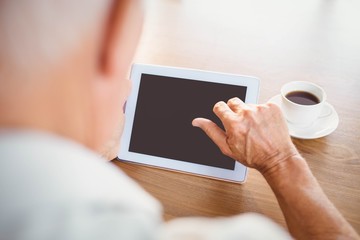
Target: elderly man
(63, 68)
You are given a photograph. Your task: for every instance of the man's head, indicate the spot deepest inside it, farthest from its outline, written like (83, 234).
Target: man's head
(64, 66)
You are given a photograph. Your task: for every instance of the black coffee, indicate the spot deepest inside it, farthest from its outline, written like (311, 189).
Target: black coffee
(303, 98)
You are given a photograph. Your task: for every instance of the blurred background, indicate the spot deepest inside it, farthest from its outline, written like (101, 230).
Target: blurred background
(312, 40)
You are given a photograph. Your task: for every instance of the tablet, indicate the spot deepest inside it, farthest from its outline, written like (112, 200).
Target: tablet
(159, 112)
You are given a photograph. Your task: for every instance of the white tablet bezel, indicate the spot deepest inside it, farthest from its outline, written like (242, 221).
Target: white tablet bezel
(252, 93)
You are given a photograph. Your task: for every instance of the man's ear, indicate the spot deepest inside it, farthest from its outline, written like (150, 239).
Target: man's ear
(111, 86)
(122, 31)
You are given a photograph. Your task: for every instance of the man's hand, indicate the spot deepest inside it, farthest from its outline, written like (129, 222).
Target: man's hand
(110, 150)
(255, 135)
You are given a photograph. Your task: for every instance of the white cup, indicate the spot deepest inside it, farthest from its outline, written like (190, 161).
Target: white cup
(300, 114)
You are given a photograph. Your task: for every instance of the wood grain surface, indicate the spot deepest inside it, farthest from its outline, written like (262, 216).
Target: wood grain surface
(278, 41)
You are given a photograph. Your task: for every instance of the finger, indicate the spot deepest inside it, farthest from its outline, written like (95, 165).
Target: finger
(224, 113)
(236, 104)
(216, 134)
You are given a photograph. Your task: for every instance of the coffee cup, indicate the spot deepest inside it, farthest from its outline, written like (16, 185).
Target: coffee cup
(302, 102)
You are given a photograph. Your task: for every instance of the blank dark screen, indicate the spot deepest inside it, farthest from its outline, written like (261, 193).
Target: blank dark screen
(165, 109)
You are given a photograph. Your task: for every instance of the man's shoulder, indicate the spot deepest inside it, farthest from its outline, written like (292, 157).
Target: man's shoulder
(40, 168)
(53, 187)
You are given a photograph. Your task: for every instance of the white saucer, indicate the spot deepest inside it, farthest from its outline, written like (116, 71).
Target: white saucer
(322, 127)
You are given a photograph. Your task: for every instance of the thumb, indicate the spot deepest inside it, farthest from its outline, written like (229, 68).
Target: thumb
(215, 133)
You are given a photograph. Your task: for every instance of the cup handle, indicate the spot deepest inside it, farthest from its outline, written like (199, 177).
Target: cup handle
(326, 111)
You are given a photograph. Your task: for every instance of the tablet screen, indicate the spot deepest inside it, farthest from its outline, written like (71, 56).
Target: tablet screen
(164, 111)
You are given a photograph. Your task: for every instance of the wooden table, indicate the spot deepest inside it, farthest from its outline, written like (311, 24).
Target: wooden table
(278, 41)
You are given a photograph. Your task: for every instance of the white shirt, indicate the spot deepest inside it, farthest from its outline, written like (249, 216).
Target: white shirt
(53, 188)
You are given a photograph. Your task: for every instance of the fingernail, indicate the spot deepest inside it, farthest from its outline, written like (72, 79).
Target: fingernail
(194, 123)
(236, 100)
